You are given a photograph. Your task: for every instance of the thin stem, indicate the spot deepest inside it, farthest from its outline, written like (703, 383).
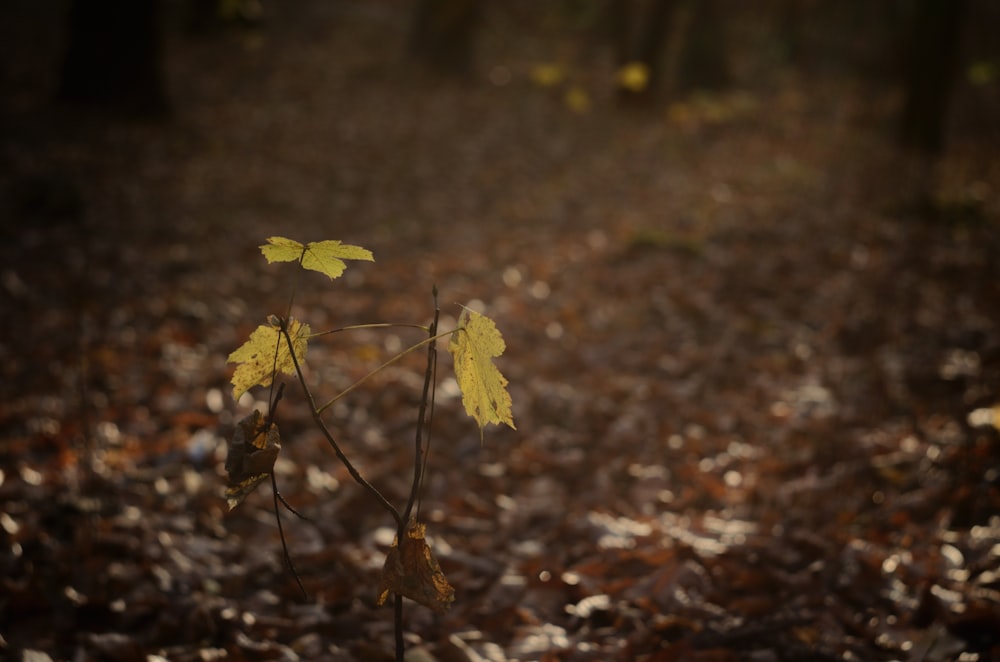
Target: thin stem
(430, 428)
(434, 336)
(289, 507)
(288, 316)
(418, 460)
(273, 406)
(272, 400)
(295, 286)
(397, 612)
(317, 417)
(374, 325)
(281, 533)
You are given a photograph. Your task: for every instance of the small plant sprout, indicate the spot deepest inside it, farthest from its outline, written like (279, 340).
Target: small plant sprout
(279, 347)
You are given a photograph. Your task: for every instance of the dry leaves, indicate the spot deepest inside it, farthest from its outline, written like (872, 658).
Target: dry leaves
(252, 453)
(412, 571)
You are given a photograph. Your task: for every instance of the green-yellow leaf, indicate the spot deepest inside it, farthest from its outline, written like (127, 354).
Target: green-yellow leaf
(326, 257)
(634, 76)
(266, 353)
(484, 388)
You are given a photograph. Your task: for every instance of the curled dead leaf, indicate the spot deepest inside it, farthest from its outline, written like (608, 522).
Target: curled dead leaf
(412, 571)
(251, 457)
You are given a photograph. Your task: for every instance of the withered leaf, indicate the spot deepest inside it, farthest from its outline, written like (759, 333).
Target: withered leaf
(412, 571)
(252, 453)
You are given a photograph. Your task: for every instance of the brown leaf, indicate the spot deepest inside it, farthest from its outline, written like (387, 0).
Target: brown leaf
(412, 571)
(252, 454)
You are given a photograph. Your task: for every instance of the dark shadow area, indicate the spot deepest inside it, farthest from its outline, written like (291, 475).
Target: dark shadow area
(753, 335)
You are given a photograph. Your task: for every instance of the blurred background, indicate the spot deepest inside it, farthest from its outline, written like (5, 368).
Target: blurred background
(744, 256)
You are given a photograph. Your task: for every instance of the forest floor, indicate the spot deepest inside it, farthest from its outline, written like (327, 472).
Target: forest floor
(751, 382)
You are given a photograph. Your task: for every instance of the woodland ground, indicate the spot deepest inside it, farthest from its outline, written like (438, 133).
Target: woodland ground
(742, 365)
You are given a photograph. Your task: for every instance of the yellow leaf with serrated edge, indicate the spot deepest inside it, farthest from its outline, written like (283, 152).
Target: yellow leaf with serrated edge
(484, 388)
(265, 354)
(326, 257)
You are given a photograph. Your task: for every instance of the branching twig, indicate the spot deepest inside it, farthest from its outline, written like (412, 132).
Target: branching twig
(372, 325)
(290, 509)
(420, 448)
(272, 409)
(434, 336)
(281, 534)
(317, 417)
(409, 570)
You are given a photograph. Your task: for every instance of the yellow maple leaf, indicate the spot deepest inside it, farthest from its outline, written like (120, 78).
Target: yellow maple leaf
(326, 257)
(484, 388)
(266, 353)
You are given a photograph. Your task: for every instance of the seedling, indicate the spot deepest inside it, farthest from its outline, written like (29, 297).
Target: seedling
(280, 346)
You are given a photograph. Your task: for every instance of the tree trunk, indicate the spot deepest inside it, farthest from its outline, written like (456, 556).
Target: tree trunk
(933, 60)
(114, 58)
(652, 28)
(207, 17)
(443, 34)
(703, 57)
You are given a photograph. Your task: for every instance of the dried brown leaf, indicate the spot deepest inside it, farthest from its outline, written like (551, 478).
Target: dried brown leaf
(412, 571)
